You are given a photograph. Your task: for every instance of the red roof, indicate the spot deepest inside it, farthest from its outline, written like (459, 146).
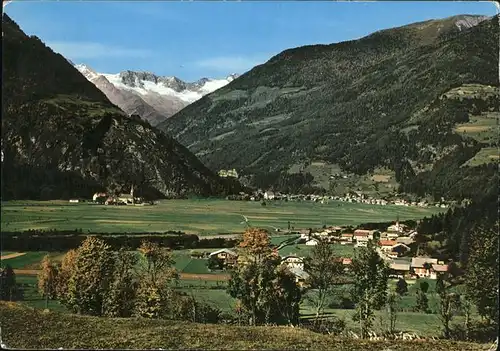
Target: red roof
(362, 232)
(387, 242)
(344, 260)
(440, 267)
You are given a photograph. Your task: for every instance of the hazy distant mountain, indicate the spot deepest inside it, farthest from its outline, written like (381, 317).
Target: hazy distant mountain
(154, 98)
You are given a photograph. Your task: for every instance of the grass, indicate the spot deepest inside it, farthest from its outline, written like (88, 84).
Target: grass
(29, 261)
(304, 250)
(197, 216)
(484, 156)
(31, 296)
(482, 128)
(214, 293)
(26, 328)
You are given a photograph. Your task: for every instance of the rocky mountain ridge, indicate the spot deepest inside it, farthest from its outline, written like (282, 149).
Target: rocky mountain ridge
(152, 97)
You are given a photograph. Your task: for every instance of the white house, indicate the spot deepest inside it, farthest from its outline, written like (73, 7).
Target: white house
(301, 276)
(419, 268)
(362, 233)
(97, 195)
(392, 235)
(293, 261)
(269, 195)
(396, 228)
(312, 242)
(361, 243)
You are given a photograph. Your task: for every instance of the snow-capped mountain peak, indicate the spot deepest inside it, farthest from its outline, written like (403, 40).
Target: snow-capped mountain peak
(166, 94)
(88, 72)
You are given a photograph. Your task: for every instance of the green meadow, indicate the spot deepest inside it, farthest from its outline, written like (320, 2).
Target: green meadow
(196, 216)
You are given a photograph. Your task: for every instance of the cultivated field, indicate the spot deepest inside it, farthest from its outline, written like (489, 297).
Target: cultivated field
(483, 128)
(202, 217)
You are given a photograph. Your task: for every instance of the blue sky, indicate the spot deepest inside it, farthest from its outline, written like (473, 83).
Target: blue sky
(191, 40)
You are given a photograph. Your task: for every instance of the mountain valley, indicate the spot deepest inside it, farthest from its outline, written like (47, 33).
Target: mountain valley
(385, 106)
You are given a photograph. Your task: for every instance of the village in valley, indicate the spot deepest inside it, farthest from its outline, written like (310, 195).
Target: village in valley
(393, 246)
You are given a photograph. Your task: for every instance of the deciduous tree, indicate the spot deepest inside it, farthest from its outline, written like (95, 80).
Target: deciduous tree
(261, 285)
(155, 273)
(401, 287)
(482, 272)
(324, 269)
(393, 299)
(64, 272)
(47, 278)
(8, 286)
(422, 302)
(256, 244)
(120, 299)
(371, 275)
(91, 278)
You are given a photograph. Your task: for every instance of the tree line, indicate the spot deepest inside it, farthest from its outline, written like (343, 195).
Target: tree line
(63, 241)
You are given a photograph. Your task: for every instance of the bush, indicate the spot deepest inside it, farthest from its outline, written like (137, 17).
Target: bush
(332, 325)
(189, 309)
(478, 332)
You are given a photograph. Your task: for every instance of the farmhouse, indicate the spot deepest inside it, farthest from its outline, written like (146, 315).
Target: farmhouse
(74, 200)
(312, 242)
(404, 240)
(301, 276)
(362, 241)
(269, 195)
(125, 198)
(421, 266)
(228, 256)
(346, 238)
(437, 269)
(305, 233)
(99, 195)
(293, 261)
(386, 245)
(399, 268)
(397, 228)
(362, 233)
(392, 235)
(398, 250)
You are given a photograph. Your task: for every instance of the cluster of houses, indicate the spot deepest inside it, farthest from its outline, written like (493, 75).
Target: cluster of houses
(352, 197)
(393, 248)
(224, 173)
(122, 199)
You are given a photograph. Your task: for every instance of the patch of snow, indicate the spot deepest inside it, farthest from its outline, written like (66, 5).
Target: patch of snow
(145, 87)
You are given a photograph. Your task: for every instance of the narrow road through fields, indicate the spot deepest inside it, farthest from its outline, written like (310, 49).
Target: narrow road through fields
(12, 255)
(223, 236)
(182, 276)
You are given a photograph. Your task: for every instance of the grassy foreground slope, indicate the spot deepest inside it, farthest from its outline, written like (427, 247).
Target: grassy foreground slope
(31, 329)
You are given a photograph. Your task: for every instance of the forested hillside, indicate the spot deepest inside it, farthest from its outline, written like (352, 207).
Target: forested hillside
(390, 100)
(61, 137)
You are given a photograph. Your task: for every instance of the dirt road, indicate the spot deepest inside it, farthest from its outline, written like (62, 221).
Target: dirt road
(12, 255)
(182, 276)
